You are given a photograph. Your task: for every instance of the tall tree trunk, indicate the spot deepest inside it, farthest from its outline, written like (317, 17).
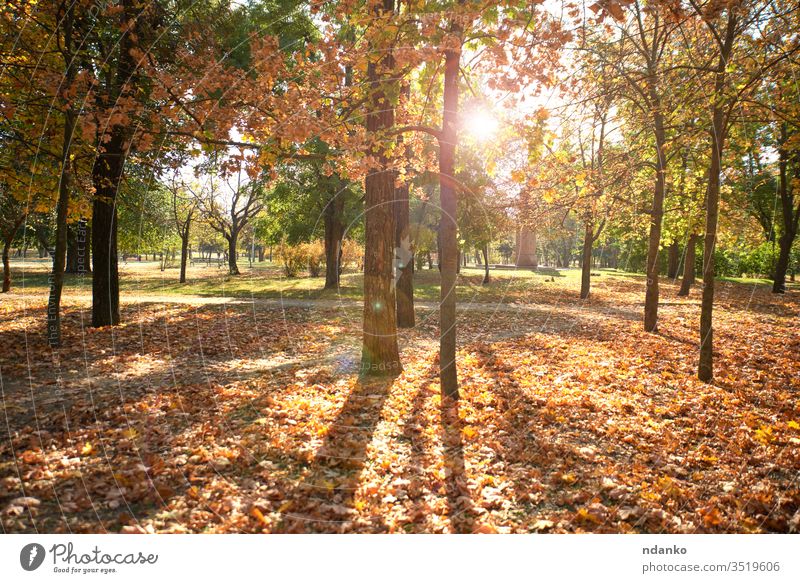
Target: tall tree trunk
(447, 226)
(334, 233)
(586, 260)
(380, 355)
(486, 276)
(106, 177)
(789, 214)
(705, 369)
(404, 257)
(688, 266)
(673, 260)
(233, 267)
(6, 263)
(62, 206)
(656, 216)
(71, 265)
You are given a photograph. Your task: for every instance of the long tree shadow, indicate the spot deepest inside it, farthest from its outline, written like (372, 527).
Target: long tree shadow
(460, 507)
(329, 485)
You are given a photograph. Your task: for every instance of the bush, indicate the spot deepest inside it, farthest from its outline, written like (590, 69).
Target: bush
(352, 254)
(294, 258)
(315, 252)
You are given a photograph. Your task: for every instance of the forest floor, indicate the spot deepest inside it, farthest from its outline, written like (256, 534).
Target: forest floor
(210, 413)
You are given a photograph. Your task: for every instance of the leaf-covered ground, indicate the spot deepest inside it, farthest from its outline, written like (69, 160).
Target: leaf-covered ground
(237, 417)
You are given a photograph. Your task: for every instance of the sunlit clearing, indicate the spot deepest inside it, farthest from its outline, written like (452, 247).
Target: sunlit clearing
(480, 124)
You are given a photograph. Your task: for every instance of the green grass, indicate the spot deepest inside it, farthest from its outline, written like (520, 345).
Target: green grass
(267, 280)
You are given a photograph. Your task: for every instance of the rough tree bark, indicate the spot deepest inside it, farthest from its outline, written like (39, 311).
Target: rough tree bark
(447, 226)
(106, 176)
(380, 355)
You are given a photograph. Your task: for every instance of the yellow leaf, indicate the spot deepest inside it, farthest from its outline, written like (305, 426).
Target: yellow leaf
(87, 449)
(793, 425)
(764, 435)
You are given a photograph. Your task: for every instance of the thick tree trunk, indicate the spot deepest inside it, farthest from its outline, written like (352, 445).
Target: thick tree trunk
(380, 355)
(106, 177)
(404, 258)
(656, 216)
(782, 266)
(447, 226)
(673, 260)
(486, 276)
(334, 232)
(586, 260)
(233, 267)
(688, 266)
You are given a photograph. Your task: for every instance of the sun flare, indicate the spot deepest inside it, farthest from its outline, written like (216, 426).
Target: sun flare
(481, 124)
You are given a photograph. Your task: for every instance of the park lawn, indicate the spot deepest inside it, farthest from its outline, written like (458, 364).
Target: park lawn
(250, 418)
(267, 281)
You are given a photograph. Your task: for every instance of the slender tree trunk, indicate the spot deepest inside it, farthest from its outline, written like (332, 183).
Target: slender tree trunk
(688, 266)
(705, 369)
(789, 214)
(486, 276)
(380, 355)
(334, 233)
(7, 264)
(673, 260)
(656, 216)
(586, 260)
(184, 253)
(64, 185)
(447, 226)
(404, 257)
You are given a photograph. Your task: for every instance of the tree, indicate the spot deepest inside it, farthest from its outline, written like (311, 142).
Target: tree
(380, 355)
(230, 203)
(184, 207)
(736, 35)
(12, 217)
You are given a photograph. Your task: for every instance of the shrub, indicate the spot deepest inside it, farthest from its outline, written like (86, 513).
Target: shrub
(294, 258)
(315, 252)
(352, 254)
